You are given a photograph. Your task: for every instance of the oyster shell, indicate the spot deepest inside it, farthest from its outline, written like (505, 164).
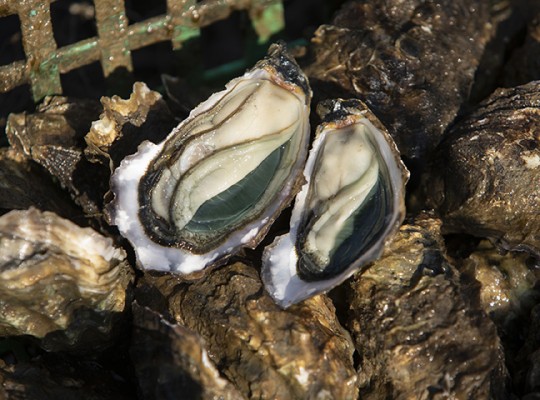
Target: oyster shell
(351, 204)
(23, 184)
(507, 283)
(63, 284)
(265, 351)
(220, 178)
(419, 333)
(53, 137)
(485, 176)
(524, 65)
(412, 62)
(170, 359)
(124, 124)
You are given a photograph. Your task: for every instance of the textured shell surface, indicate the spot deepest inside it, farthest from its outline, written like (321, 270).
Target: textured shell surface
(221, 177)
(59, 282)
(350, 206)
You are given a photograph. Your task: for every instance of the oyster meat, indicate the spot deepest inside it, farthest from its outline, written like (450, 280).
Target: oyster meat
(351, 204)
(217, 182)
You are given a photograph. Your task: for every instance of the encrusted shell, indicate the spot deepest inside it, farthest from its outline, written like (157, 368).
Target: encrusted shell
(61, 283)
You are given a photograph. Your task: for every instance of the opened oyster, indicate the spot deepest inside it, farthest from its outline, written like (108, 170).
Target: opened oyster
(220, 178)
(352, 202)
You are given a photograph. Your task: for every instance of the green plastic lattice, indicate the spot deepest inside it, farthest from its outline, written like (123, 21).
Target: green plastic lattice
(116, 39)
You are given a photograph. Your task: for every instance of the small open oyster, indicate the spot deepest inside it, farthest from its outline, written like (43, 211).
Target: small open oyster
(351, 204)
(220, 178)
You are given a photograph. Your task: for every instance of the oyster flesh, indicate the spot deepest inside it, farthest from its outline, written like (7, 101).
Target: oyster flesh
(351, 204)
(220, 178)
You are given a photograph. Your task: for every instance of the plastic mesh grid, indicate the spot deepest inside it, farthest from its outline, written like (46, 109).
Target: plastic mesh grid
(44, 61)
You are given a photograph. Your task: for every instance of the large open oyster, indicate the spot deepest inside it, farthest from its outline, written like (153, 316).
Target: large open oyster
(352, 202)
(220, 178)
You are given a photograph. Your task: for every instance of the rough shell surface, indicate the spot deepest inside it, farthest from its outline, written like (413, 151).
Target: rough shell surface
(63, 284)
(485, 178)
(419, 334)
(412, 63)
(53, 137)
(266, 352)
(170, 359)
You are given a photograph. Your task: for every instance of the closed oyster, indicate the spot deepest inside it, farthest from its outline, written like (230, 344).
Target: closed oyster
(52, 137)
(220, 178)
(412, 62)
(60, 283)
(351, 204)
(23, 184)
(485, 175)
(170, 359)
(265, 351)
(419, 333)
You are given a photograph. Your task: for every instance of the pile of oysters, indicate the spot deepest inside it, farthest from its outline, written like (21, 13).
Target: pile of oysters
(361, 221)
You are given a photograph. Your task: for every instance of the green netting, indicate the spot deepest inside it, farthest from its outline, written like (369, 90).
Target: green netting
(116, 38)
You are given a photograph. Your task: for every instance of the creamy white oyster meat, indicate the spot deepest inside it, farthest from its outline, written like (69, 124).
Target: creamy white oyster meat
(222, 176)
(350, 206)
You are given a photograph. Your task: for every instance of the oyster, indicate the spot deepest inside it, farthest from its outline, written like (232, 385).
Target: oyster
(265, 351)
(60, 283)
(485, 176)
(52, 137)
(351, 204)
(419, 333)
(412, 62)
(170, 359)
(220, 178)
(524, 64)
(23, 184)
